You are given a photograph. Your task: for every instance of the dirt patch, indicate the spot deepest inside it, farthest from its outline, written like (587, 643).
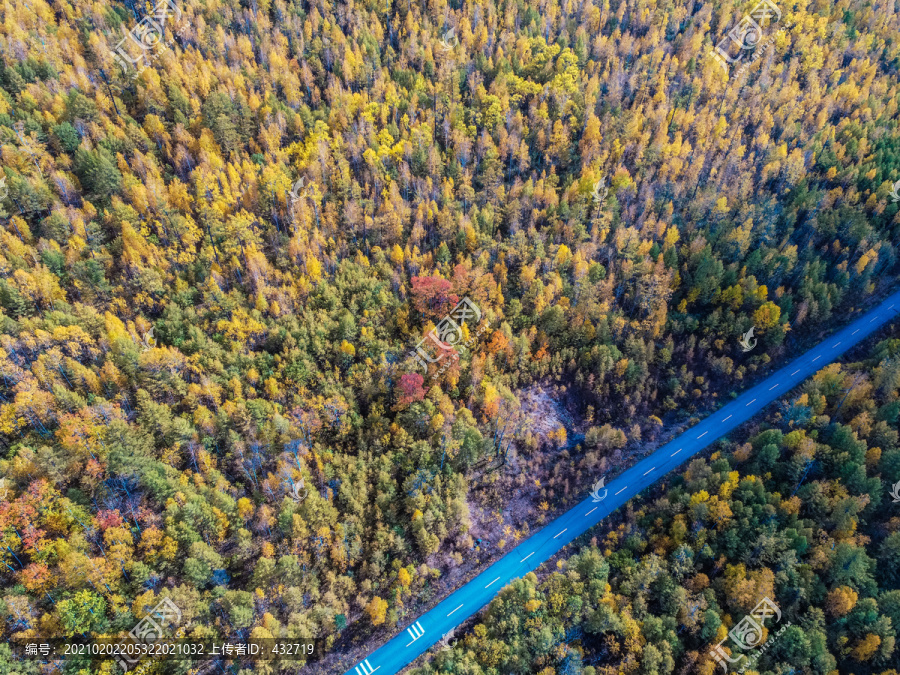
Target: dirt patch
(543, 414)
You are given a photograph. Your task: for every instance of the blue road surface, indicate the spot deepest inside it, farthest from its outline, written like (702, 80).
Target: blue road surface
(428, 629)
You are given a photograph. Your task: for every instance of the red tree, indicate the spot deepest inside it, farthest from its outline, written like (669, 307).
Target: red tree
(432, 296)
(411, 389)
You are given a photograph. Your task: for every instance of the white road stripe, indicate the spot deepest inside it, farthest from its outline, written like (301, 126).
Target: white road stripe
(795, 372)
(772, 387)
(855, 332)
(561, 533)
(622, 490)
(873, 318)
(751, 403)
(728, 418)
(649, 471)
(675, 453)
(360, 672)
(460, 607)
(817, 358)
(493, 582)
(698, 438)
(366, 661)
(416, 631)
(523, 560)
(590, 512)
(835, 344)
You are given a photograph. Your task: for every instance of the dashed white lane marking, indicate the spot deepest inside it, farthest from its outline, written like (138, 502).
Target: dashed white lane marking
(460, 607)
(772, 387)
(590, 512)
(649, 470)
(622, 490)
(561, 533)
(728, 418)
(855, 332)
(835, 345)
(702, 435)
(527, 556)
(817, 358)
(493, 582)
(672, 455)
(751, 403)
(873, 319)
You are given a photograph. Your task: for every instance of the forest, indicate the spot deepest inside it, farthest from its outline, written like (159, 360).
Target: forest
(216, 263)
(798, 510)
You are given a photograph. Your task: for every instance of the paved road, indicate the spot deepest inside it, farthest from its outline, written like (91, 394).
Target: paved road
(422, 633)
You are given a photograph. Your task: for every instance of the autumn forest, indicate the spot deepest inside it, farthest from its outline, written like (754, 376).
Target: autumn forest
(220, 250)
